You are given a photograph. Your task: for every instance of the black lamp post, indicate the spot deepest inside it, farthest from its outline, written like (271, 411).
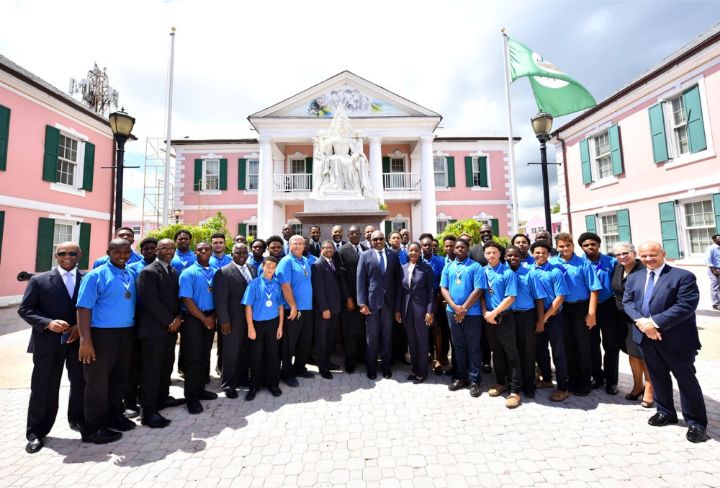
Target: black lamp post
(178, 213)
(542, 124)
(121, 124)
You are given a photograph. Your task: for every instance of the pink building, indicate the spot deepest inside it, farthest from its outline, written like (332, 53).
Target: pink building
(51, 186)
(536, 223)
(643, 163)
(425, 180)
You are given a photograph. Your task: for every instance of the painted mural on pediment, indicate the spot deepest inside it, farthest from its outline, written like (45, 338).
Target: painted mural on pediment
(355, 102)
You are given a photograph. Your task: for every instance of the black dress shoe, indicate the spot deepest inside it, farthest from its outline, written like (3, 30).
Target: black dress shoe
(306, 374)
(418, 380)
(334, 366)
(35, 444)
(387, 374)
(76, 426)
(231, 393)
(171, 402)
(661, 420)
(155, 421)
(475, 390)
(581, 392)
(486, 368)
(194, 407)
(349, 369)
(451, 372)
(292, 382)
(694, 434)
(250, 395)
(326, 374)
(411, 377)
(102, 436)
(597, 383)
(132, 412)
(371, 376)
(121, 423)
(208, 395)
(611, 389)
(275, 391)
(457, 385)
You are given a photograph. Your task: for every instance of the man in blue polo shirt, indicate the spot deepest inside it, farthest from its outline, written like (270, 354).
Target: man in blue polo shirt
(549, 281)
(106, 310)
(613, 334)
(184, 257)
(148, 249)
(462, 285)
(122, 233)
(219, 258)
(293, 273)
(196, 287)
(579, 313)
(257, 250)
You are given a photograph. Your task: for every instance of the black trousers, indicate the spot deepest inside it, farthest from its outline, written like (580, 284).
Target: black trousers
(613, 331)
(297, 343)
(195, 346)
(265, 356)
(378, 339)
(219, 349)
(399, 341)
(485, 345)
(577, 344)
(506, 358)
(526, 344)
(353, 332)
(158, 356)
(45, 389)
(417, 339)
(325, 331)
(135, 372)
(235, 356)
(106, 378)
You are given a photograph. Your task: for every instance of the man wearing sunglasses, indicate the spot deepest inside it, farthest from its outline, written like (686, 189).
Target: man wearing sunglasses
(49, 307)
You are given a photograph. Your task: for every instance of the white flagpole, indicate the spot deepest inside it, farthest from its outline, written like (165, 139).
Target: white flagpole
(168, 148)
(511, 145)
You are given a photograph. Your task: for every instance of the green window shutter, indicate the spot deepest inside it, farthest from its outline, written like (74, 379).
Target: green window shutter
(450, 171)
(52, 141)
(198, 175)
(716, 206)
(495, 224)
(585, 162)
(482, 163)
(88, 167)
(309, 169)
(615, 150)
(657, 133)
(84, 262)
(242, 230)
(43, 256)
(388, 228)
(693, 115)
(451, 221)
(386, 164)
(468, 172)
(590, 225)
(2, 230)
(623, 220)
(4, 136)
(242, 176)
(223, 174)
(668, 229)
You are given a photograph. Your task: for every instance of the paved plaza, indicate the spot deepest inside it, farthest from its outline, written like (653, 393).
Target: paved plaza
(355, 432)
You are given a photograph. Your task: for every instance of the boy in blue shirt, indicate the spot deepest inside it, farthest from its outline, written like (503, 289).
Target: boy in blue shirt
(184, 257)
(196, 287)
(264, 312)
(219, 258)
(129, 235)
(257, 250)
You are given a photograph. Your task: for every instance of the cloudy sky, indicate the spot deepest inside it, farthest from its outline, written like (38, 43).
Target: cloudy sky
(234, 58)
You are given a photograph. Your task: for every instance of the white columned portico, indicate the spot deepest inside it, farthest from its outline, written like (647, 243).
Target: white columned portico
(376, 177)
(428, 211)
(265, 188)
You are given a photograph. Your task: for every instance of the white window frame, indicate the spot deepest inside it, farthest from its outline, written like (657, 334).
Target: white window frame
(249, 174)
(297, 227)
(292, 160)
(444, 222)
(74, 233)
(684, 231)
(249, 230)
(605, 233)
(395, 157)
(444, 172)
(594, 156)
(76, 187)
(476, 171)
(205, 189)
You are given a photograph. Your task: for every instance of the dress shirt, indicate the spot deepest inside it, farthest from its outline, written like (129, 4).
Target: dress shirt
(69, 275)
(244, 271)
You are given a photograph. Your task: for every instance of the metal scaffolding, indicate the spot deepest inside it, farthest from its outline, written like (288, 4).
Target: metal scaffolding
(153, 183)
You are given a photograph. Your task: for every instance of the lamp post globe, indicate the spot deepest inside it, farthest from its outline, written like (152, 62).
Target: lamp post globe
(542, 125)
(121, 125)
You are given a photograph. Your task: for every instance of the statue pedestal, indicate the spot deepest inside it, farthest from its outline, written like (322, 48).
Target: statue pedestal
(348, 210)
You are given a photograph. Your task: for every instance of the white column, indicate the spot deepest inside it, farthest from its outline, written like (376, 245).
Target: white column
(265, 189)
(428, 210)
(376, 178)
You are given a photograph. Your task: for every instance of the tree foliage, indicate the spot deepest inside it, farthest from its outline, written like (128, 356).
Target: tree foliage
(470, 227)
(200, 233)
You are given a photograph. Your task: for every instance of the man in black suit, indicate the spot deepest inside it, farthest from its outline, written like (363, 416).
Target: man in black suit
(351, 320)
(337, 236)
(230, 284)
(315, 241)
(378, 276)
(327, 304)
(49, 307)
(158, 322)
(662, 301)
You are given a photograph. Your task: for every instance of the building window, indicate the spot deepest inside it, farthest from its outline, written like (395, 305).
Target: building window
(398, 225)
(67, 167)
(63, 232)
(609, 231)
(253, 171)
(699, 225)
(679, 126)
(602, 157)
(297, 166)
(136, 230)
(440, 169)
(397, 165)
(441, 225)
(252, 230)
(211, 174)
(478, 180)
(297, 229)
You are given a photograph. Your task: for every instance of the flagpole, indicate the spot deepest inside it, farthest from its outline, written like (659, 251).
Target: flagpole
(511, 145)
(168, 148)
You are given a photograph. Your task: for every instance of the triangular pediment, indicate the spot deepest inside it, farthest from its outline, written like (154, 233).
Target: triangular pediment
(360, 98)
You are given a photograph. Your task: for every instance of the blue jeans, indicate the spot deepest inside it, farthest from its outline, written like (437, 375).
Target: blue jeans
(466, 337)
(554, 335)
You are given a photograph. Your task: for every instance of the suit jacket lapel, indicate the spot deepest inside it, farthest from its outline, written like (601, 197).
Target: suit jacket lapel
(660, 280)
(58, 282)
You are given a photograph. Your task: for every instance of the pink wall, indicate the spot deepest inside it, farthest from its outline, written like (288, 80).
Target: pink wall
(496, 171)
(231, 196)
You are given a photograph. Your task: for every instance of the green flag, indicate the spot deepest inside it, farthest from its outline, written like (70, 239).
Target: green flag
(555, 92)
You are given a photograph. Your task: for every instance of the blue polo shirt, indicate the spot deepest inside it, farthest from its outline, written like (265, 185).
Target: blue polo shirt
(219, 263)
(311, 259)
(402, 256)
(103, 291)
(134, 258)
(296, 272)
(194, 283)
(256, 264)
(471, 277)
(580, 277)
(437, 264)
(183, 260)
(448, 260)
(258, 292)
(137, 266)
(527, 293)
(548, 280)
(501, 284)
(603, 268)
(528, 261)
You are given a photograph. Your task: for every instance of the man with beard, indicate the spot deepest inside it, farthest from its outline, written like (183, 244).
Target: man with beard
(314, 248)
(184, 257)
(257, 248)
(287, 232)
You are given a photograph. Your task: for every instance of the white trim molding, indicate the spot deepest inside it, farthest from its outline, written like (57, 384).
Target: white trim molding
(64, 210)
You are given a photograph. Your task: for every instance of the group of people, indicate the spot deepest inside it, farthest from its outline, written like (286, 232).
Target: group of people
(278, 306)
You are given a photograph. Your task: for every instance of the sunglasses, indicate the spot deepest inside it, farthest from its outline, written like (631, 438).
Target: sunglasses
(378, 239)
(72, 254)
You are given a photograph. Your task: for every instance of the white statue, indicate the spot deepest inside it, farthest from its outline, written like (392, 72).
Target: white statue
(341, 168)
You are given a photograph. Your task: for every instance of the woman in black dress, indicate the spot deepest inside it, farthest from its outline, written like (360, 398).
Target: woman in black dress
(626, 265)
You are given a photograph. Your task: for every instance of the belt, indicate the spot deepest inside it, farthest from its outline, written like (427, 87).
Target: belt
(576, 301)
(524, 310)
(206, 312)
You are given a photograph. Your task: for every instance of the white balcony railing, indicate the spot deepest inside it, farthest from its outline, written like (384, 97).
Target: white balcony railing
(293, 182)
(401, 181)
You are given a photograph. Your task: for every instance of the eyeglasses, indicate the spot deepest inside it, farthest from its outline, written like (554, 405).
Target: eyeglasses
(72, 254)
(378, 238)
(623, 254)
